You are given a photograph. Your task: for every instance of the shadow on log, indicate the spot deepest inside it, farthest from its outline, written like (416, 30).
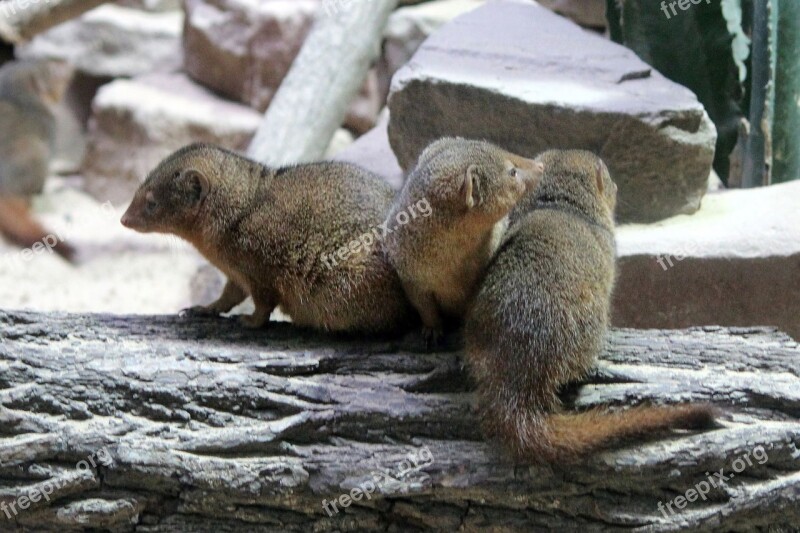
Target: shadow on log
(160, 424)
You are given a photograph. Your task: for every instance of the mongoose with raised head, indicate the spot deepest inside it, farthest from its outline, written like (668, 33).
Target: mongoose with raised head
(28, 91)
(470, 186)
(540, 318)
(294, 237)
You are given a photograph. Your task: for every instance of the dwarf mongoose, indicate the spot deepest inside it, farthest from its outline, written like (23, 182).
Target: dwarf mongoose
(471, 187)
(540, 318)
(28, 90)
(273, 232)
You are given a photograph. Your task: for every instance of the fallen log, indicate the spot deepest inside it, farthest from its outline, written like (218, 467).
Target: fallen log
(163, 424)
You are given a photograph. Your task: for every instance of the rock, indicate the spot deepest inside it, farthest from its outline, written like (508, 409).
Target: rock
(588, 13)
(408, 28)
(136, 123)
(514, 73)
(114, 41)
(243, 49)
(373, 152)
(733, 263)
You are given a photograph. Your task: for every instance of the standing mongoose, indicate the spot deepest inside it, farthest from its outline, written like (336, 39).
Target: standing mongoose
(470, 186)
(28, 90)
(294, 237)
(540, 318)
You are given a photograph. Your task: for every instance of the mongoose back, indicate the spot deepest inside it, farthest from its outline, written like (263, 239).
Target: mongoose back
(272, 231)
(540, 319)
(470, 186)
(28, 89)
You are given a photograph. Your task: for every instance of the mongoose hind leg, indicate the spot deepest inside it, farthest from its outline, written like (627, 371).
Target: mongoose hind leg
(232, 295)
(264, 307)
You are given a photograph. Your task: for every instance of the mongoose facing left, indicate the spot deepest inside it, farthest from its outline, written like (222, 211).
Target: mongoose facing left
(540, 318)
(269, 230)
(471, 187)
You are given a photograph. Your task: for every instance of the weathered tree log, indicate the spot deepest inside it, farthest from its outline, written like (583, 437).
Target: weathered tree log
(199, 425)
(312, 100)
(22, 20)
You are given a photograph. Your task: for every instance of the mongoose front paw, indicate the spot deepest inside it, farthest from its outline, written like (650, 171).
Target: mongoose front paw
(199, 311)
(432, 337)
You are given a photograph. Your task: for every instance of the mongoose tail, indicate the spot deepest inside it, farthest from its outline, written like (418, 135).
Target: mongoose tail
(536, 436)
(19, 227)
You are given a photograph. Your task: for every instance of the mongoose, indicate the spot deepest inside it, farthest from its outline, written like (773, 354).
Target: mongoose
(28, 90)
(471, 186)
(294, 237)
(540, 318)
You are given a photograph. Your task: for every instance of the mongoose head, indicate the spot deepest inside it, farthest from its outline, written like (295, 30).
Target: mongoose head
(171, 198)
(476, 178)
(580, 178)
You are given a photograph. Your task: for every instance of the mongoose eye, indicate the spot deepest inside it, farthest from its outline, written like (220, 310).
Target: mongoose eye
(512, 172)
(150, 203)
(177, 174)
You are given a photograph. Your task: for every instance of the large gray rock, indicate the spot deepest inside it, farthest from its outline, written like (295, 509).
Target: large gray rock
(114, 41)
(736, 262)
(515, 73)
(244, 48)
(136, 123)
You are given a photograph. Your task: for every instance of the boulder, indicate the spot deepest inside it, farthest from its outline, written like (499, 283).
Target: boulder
(517, 74)
(733, 263)
(114, 41)
(244, 48)
(136, 123)
(408, 28)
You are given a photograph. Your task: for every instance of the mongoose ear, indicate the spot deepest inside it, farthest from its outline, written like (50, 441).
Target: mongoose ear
(598, 176)
(198, 185)
(469, 190)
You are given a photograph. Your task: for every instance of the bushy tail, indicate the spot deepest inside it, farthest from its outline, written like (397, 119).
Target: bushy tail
(18, 226)
(564, 438)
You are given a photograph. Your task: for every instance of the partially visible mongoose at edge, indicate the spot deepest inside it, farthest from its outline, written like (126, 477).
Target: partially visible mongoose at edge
(271, 231)
(471, 187)
(540, 318)
(28, 90)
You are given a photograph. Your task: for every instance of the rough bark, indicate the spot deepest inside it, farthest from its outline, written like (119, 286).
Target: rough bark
(22, 20)
(312, 100)
(199, 425)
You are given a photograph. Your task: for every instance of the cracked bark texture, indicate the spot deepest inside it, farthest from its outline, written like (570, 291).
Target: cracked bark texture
(198, 425)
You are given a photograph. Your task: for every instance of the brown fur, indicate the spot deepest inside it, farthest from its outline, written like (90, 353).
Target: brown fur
(27, 90)
(267, 230)
(541, 315)
(470, 186)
